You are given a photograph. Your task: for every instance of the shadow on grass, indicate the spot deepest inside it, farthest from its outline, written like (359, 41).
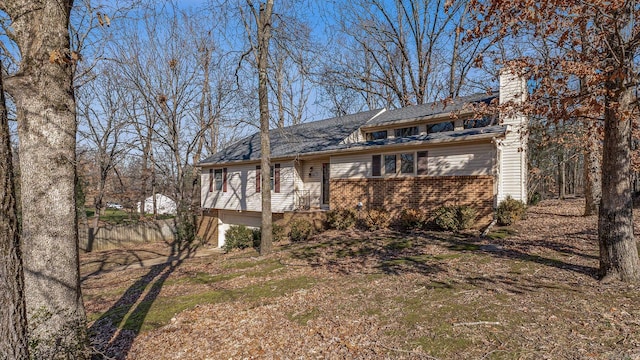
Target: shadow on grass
(110, 259)
(354, 252)
(425, 253)
(114, 332)
(474, 244)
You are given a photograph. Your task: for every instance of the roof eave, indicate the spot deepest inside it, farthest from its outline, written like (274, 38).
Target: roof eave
(357, 148)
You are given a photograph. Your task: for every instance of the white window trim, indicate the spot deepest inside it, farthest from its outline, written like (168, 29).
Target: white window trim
(398, 172)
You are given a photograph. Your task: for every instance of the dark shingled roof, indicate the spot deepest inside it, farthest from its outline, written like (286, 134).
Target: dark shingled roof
(458, 135)
(328, 135)
(411, 113)
(293, 140)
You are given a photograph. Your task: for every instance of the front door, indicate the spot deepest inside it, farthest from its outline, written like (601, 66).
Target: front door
(325, 183)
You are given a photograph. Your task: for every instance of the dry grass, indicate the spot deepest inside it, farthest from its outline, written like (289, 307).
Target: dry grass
(529, 292)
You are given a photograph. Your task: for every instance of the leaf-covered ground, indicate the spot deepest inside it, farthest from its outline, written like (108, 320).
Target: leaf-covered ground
(528, 292)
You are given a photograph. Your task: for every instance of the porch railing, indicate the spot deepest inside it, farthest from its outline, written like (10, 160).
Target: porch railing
(303, 200)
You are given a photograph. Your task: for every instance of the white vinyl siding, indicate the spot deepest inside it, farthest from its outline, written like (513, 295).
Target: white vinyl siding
(312, 178)
(512, 171)
(241, 192)
(351, 166)
(456, 160)
(477, 159)
(512, 176)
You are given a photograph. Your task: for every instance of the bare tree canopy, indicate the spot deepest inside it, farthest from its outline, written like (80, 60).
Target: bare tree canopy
(587, 71)
(399, 53)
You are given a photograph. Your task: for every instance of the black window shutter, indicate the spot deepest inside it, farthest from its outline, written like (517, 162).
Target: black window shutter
(258, 179)
(375, 166)
(224, 179)
(276, 178)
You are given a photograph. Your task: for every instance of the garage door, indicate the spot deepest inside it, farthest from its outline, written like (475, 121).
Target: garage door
(228, 218)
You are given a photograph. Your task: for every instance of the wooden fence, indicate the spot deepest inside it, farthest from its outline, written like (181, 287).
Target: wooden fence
(115, 236)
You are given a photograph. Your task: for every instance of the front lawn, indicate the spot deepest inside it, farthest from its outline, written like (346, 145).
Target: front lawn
(526, 292)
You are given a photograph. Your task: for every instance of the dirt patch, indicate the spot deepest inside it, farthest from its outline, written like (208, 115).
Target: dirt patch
(527, 292)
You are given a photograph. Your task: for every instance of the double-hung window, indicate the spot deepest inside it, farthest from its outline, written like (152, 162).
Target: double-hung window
(274, 177)
(220, 179)
(411, 163)
(406, 163)
(390, 164)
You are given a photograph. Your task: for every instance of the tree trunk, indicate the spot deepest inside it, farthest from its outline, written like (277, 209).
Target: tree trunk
(13, 317)
(592, 172)
(562, 178)
(205, 119)
(264, 34)
(618, 250)
(280, 90)
(45, 103)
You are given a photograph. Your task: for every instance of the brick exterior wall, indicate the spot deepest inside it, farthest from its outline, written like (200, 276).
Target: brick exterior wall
(208, 227)
(425, 193)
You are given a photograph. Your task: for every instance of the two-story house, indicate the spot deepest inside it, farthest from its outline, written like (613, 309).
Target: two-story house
(419, 156)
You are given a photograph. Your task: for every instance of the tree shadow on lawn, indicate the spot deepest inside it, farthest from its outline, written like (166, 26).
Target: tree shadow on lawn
(114, 332)
(356, 252)
(425, 252)
(110, 259)
(519, 250)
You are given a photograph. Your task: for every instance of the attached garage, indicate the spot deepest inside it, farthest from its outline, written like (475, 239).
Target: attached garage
(229, 218)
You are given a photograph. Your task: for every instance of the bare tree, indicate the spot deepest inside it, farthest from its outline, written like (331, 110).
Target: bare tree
(176, 99)
(13, 318)
(101, 103)
(43, 92)
(263, 19)
(607, 63)
(399, 53)
(292, 60)
(261, 14)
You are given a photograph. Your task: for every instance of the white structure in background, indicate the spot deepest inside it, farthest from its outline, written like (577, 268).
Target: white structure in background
(164, 204)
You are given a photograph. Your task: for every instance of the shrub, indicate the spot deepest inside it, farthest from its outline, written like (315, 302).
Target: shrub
(446, 218)
(239, 237)
(413, 218)
(279, 233)
(535, 198)
(466, 217)
(341, 219)
(510, 211)
(376, 219)
(301, 230)
(257, 236)
(455, 218)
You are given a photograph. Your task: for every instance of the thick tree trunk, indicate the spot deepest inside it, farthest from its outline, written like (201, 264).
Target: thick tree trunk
(592, 172)
(43, 92)
(13, 317)
(618, 250)
(264, 34)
